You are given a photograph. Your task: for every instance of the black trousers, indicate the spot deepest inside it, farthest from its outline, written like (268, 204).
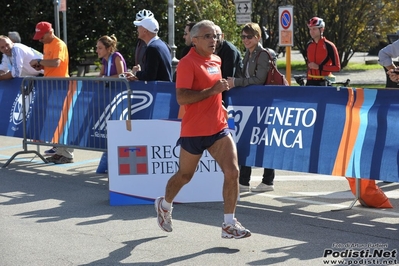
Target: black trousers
(245, 175)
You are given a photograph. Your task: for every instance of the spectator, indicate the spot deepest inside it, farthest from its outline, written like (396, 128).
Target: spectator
(230, 55)
(16, 59)
(157, 57)
(188, 44)
(14, 36)
(204, 127)
(187, 39)
(55, 64)
(231, 58)
(112, 62)
(322, 55)
(112, 65)
(254, 72)
(141, 46)
(385, 58)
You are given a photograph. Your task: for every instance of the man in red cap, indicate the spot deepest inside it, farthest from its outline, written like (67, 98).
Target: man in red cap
(56, 59)
(55, 64)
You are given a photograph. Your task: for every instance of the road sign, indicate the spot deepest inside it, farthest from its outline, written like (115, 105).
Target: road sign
(285, 19)
(243, 11)
(286, 32)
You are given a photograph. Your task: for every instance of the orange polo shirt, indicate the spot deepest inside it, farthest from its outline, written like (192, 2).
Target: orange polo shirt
(56, 49)
(206, 117)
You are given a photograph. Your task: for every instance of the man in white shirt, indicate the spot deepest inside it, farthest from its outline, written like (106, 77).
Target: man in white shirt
(16, 58)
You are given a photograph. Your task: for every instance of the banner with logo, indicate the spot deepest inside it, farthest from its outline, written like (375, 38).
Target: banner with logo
(347, 132)
(289, 128)
(76, 112)
(142, 158)
(11, 118)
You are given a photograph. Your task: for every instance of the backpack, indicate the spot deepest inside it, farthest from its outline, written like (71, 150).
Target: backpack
(274, 77)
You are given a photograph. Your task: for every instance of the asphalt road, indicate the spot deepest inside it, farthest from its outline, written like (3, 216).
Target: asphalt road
(60, 215)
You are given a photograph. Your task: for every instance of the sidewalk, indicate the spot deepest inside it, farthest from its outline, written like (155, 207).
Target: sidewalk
(357, 77)
(60, 215)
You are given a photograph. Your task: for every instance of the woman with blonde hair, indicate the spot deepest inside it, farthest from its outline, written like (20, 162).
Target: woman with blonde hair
(255, 68)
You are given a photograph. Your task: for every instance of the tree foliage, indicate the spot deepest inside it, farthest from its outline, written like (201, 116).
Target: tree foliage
(353, 25)
(220, 12)
(356, 25)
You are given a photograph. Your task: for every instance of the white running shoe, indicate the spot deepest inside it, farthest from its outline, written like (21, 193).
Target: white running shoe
(164, 217)
(235, 230)
(244, 188)
(262, 187)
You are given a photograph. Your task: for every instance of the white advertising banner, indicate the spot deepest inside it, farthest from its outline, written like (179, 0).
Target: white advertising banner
(142, 156)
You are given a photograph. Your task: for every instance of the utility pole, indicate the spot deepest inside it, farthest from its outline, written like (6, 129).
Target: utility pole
(56, 18)
(171, 32)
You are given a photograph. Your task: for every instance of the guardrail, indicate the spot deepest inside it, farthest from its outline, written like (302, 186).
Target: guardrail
(60, 111)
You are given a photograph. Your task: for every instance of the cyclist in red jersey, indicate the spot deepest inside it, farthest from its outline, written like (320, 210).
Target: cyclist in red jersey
(322, 55)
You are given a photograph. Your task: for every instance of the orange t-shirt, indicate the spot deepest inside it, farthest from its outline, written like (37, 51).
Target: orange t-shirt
(56, 49)
(206, 117)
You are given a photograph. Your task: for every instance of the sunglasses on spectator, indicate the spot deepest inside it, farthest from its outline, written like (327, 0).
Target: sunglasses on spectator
(249, 37)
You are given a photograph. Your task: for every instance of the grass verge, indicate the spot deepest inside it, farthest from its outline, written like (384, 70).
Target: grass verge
(301, 66)
(368, 86)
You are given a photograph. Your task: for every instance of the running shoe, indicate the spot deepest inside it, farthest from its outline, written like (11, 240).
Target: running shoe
(262, 187)
(164, 217)
(244, 188)
(235, 230)
(50, 152)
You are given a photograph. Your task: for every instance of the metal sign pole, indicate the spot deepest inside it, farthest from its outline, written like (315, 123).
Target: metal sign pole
(64, 26)
(56, 19)
(171, 32)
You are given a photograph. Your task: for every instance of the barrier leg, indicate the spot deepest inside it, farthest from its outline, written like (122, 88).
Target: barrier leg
(357, 196)
(38, 150)
(23, 152)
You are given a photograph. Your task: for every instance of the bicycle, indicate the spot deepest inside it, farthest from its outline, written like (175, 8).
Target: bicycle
(300, 80)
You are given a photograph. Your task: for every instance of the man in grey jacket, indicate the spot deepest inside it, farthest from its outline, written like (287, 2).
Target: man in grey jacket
(254, 72)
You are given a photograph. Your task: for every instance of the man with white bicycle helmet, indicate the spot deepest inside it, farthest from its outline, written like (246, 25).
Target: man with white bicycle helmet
(142, 14)
(322, 55)
(141, 45)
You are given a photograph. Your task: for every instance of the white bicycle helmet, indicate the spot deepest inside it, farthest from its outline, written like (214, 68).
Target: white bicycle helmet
(142, 14)
(316, 22)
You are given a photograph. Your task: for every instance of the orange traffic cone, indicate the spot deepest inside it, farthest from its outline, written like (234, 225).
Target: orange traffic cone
(370, 194)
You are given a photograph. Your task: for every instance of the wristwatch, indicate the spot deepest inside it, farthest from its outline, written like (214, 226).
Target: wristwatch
(38, 61)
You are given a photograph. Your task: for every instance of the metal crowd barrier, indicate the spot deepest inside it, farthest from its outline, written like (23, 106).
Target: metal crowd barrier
(71, 112)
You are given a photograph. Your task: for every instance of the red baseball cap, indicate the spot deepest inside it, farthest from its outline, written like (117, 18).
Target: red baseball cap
(41, 29)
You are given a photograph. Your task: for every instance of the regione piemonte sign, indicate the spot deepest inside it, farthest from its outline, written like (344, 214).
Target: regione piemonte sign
(143, 155)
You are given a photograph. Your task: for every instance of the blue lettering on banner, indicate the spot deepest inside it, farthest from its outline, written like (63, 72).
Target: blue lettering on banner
(290, 119)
